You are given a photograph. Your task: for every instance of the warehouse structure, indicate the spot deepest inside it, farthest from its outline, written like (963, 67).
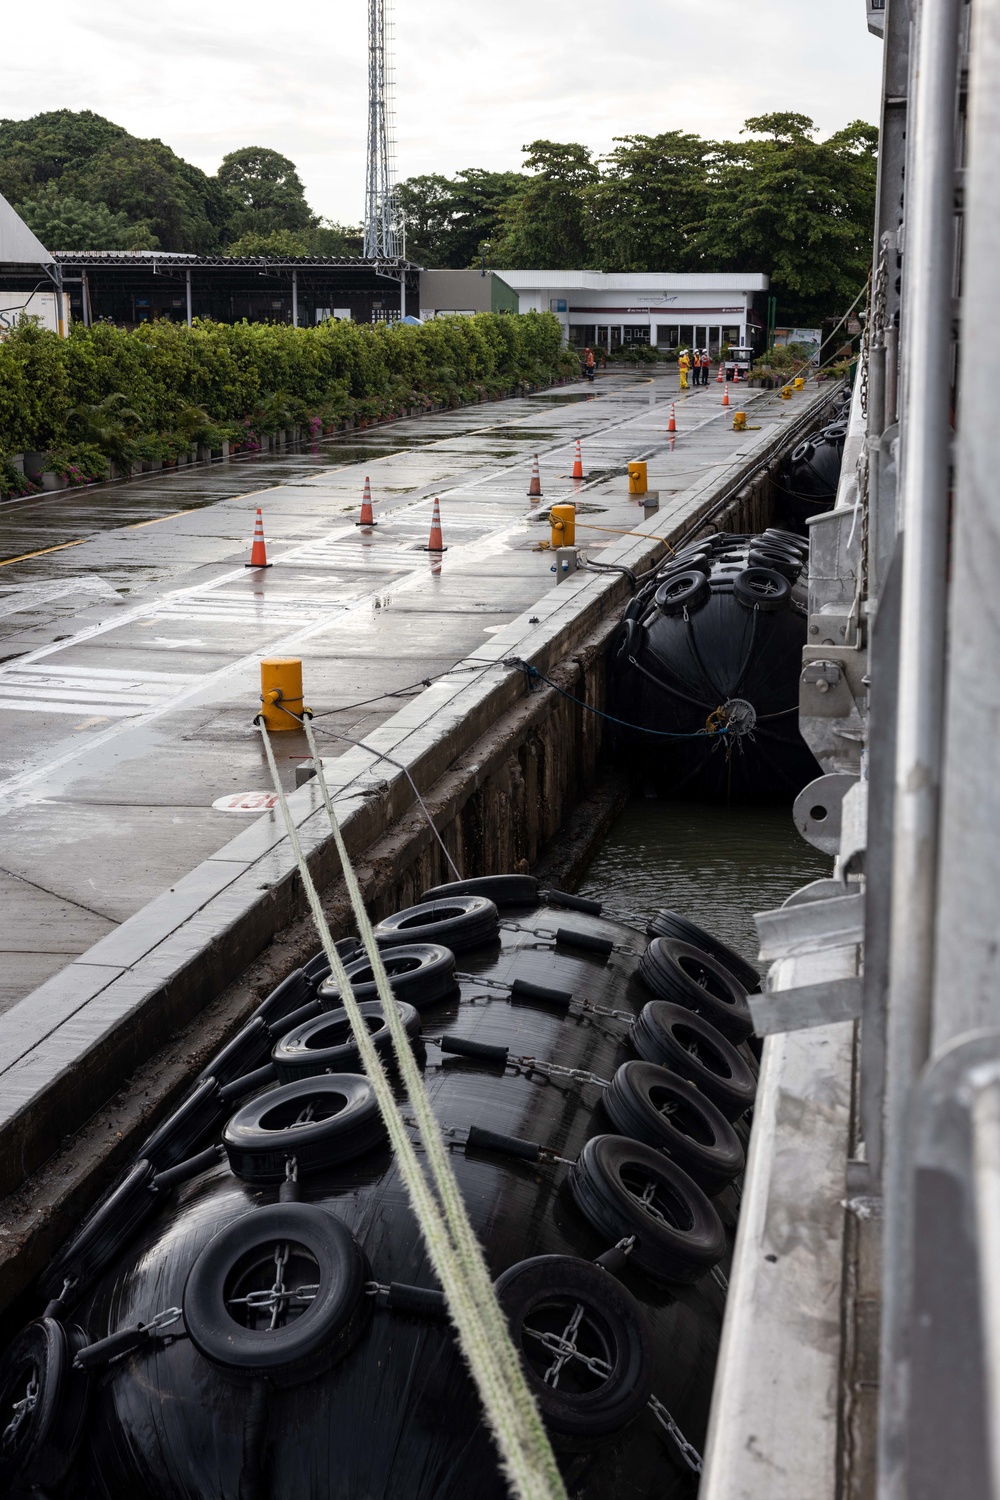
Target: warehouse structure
(610, 310)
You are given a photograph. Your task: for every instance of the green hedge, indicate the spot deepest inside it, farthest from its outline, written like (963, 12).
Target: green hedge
(106, 394)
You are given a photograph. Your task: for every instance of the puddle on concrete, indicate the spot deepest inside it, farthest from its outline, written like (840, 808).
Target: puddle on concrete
(567, 400)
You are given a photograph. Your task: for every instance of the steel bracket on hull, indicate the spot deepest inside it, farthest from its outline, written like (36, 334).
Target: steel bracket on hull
(815, 952)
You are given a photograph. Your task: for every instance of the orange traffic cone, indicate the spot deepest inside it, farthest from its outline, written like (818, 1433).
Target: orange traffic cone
(436, 542)
(367, 519)
(720, 378)
(736, 374)
(725, 394)
(258, 552)
(578, 463)
(672, 424)
(535, 487)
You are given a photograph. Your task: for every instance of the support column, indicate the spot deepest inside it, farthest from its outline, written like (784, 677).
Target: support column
(967, 982)
(188, 292)
(295, 298)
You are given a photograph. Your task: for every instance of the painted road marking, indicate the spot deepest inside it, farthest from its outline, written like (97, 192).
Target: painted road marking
(77, 690)
(14, 598)
(247, 802)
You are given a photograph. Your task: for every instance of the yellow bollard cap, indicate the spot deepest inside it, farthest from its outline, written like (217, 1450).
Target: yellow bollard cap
(281, 692)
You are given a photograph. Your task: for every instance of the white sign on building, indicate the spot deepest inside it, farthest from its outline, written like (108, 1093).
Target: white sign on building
(42, 305)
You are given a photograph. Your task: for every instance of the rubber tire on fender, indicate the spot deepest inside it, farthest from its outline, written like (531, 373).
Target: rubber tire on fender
(320, 1337)
(49, 1436)
(685, 975)
(786, 538)
(502, 890)
(541, 1284)
(318, 967)
(460, 923)
(720, 1073)
(420, 974)
(248, 1050)
(105, 1233)
(697, 562)
(258, 1142)
(788, 567)
(326, 1044)
(711, 1154)
(667, 923)
(183, 1132)
(762, 588)
(666, 1252)
(684, 591)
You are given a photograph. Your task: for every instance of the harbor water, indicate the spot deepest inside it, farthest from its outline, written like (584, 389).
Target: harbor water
(714, 865)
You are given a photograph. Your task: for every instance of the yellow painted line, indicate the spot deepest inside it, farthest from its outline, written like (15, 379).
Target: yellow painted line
(41, 552)
(157, 519)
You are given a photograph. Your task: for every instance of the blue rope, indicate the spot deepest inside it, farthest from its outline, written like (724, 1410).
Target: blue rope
(667, 734)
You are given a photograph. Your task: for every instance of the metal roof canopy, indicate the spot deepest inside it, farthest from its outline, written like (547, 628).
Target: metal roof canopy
(18, 246)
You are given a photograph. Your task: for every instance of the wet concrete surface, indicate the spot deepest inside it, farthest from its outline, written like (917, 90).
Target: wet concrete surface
(129, 660)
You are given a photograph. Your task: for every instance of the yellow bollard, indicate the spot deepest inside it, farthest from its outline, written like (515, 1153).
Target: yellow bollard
(786, 393)
(799, 383)
(281, 684)
(739, 421)
(562, 519)
(636, 476)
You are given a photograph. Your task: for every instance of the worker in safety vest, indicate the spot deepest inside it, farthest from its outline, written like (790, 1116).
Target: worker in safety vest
(683, 365)
(706, 365)
(589, 363)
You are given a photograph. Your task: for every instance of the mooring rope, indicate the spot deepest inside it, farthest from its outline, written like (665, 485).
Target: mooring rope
(484, 1338)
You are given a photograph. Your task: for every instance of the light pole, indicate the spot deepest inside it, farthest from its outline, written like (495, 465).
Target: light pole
(484, 246)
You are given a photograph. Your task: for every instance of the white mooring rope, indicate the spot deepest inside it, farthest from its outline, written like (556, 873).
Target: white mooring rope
(484, 1338)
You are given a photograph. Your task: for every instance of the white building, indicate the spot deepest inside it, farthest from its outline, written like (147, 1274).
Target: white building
(609, 309)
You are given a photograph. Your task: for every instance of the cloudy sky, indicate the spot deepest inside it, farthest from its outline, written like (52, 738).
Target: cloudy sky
(473, 82)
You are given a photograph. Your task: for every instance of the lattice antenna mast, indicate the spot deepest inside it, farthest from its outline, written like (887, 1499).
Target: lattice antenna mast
(381, 220)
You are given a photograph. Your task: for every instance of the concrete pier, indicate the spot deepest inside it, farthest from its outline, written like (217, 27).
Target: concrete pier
(138, 901)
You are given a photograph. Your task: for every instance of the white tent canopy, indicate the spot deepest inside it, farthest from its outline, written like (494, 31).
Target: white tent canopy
(18, 246)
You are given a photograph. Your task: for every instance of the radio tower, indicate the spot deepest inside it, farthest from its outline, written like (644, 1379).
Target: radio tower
(381, 233)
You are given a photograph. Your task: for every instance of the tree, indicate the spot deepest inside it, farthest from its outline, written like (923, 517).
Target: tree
(63, 222)
(478, 201)
(799, 209)
(147, 182)
(279, 242)
(329, 238)
(545, 224)
(265, 190)
(426, 207)
(649, 202)
(36, 151)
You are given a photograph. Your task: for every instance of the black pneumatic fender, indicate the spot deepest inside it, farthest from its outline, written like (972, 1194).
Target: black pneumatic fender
(680, 972)
(548, 1294)
(278, 1294)
(653, 1105)
(707, 687)
(625, 1189)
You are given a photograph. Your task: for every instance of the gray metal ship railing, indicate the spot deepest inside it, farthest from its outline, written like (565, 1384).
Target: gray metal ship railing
(861, 1355)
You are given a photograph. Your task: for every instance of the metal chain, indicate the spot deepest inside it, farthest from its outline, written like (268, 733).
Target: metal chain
(687, 1451)
(556, 1070)
(22, 1411)
(564, 1348)
(587, 1006)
